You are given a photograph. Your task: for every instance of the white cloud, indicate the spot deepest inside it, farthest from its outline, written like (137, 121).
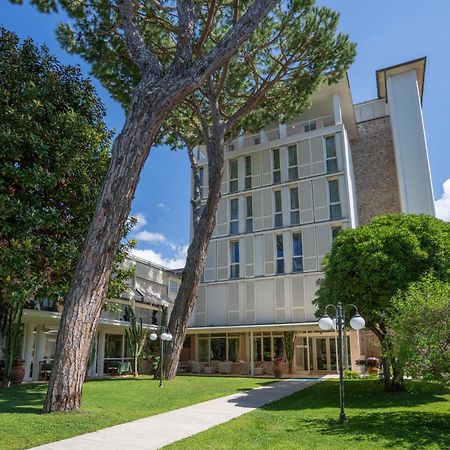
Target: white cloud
(163, 207)
(149, 236)
(442, 205)
(141, 221)
(176, 262)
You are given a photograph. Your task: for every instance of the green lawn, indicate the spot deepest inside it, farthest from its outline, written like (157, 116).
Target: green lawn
(416, 419)
(105, 403)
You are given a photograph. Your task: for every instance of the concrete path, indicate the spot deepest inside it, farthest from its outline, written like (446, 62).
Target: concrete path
(157, 431)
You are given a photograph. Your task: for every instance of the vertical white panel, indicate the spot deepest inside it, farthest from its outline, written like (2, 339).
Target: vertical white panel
(288, 251)
(256, 169)
(266, 164)
(210, 262)
(257, 211)
(284, 163)
(200, 307)
(280, 302)
(241, 173)
(317, 156)
(217, 304)
(306, 201)
(309, 249)
(323, 235)
(286, 205)
(249, 257)
(250, 304)
(321, 204)
(304, 159)
(222, 217)
(269, 254)
(259, 255)
(222, 259)
(264, 295)
(267, 208)
(225, 180)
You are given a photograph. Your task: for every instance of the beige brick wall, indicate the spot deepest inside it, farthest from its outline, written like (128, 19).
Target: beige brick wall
(375, 170)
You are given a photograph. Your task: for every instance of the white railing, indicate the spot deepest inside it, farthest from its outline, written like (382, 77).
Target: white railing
(273, 134)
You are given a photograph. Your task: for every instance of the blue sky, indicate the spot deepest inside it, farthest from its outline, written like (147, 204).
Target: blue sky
(387, 32)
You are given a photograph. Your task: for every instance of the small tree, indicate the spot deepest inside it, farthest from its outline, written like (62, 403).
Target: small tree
(136, 336)
(420, 328)
(368, 265)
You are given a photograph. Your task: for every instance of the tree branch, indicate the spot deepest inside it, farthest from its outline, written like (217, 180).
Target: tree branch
(186, 26)
(147, 63)
(196, 195)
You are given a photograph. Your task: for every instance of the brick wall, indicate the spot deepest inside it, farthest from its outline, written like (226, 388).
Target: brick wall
(375, 170)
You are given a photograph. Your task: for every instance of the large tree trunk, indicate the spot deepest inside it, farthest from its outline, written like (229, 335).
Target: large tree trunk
(87, 293)
(151, 104)
(195, 261)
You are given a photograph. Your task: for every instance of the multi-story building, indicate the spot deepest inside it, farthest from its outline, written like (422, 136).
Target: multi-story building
(152, 289)
(287, 191)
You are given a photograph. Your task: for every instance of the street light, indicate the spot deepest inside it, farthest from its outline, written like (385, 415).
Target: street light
(326, 323)
(165, 336)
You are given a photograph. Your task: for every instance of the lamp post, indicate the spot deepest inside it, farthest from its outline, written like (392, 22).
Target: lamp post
(164, 336)
(326, 323)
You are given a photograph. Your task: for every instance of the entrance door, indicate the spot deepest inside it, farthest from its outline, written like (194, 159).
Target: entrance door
(321, 353)
(301, 355)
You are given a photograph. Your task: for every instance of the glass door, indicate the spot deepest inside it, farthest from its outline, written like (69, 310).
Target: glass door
(301, 355)
(321, 353)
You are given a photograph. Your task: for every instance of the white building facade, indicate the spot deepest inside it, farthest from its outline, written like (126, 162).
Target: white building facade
(151, 290)
(287, 191)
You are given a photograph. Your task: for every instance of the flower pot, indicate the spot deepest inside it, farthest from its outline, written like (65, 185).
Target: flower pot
(373, 370)
(17, 372)
(277, 370)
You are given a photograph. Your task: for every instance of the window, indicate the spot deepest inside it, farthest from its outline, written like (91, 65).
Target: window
(234, 266)
(330, 144)
(218, 348)
(297, 253)
(248, 172)
(249, 215)
(202, 176)
(278, 212)
(280, 254)
(234, 216)
(276, 166)
(311, 126)
(335, 230)
(233, 175)
(293, 163)
(233, 349)
(335, 203)
(231, 147)
(295, 208)
(173, 286)
(256, 140)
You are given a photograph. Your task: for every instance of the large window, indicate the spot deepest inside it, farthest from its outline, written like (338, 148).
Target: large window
(297, 252)
(202, 181)
(249, 214)
(234, 216)
(278, 209)
(233, 349)
(234, 175)
(293, 162)
(203, 349)
(234, 260)
(280, 253)
(335, 202)
(173, 286)
(276, 166)
(310, 126)
(248, 172)
(218, 348)
(330, 144)
(295, 207)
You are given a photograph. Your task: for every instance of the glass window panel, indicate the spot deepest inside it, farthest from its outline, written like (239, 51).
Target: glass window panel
(278, 220)
(235, 252)
(278, 201)
(218, 349)
(332, 165)
(330, 145)
(295, 218)
(249, 206)
(279, 246)
(334, 191)
(293, 173)
(297, 244)
(234, 209)
(294, 198)
(276, 159)
(297, 264)
(335, 211)
(292, 155)
(267, 349)
(233, 349)
(248, 165)
(278, 347)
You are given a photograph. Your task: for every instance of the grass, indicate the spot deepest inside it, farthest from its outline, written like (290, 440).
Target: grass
(105, 403)
(416, 419)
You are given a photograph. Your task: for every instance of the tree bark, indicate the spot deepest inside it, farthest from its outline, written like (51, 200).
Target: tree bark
(195, 261)
(150, 105)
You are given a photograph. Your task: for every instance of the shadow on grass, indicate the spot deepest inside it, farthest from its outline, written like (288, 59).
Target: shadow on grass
(405, 429)
(26, 399)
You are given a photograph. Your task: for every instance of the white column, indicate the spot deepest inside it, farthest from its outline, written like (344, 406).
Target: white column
(100, 353)
(252, 356)
(337, 112)
(27, 355)
(283, 130)
(38, 351)
(308, 363)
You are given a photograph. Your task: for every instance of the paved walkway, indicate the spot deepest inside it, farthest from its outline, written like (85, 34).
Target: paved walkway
(157, 431)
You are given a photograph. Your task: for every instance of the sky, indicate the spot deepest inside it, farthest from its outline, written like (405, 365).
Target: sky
(387, 32)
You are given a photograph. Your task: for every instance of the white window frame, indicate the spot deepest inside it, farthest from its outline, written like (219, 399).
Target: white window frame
(334, 203)
(334, 158)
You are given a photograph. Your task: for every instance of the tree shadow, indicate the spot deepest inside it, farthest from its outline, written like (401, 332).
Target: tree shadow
(26, 399)
(405, 429)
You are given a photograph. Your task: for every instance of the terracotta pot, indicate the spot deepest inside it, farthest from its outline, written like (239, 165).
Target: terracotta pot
(17, 372)
(373, 370)
(277, 370)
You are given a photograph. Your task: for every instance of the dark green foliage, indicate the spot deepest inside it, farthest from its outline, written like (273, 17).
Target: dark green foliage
(369, 265)
(53, 157)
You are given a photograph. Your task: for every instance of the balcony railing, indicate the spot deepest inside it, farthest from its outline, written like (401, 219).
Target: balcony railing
(274, 134)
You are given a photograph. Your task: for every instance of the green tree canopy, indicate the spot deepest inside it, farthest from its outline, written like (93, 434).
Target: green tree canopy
(53, 156)
(420, 326)
(369, 265)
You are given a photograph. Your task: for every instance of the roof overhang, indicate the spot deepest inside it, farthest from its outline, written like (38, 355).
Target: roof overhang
(418, 64)
(255, 328)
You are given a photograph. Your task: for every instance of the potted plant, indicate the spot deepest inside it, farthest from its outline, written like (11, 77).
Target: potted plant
(277, 368)
(372, 364)
(17, 371)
